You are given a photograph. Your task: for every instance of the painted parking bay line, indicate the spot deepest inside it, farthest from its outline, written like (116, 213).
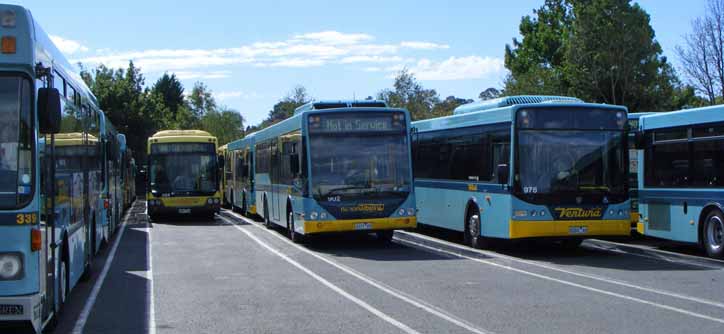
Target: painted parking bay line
(325, 282)
(434, 310)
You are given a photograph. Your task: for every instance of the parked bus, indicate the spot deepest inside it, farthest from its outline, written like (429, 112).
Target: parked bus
(681, 192)
(225, 175)
(338, 166)
(567, 160)
(53, 199)
(633, 173)
(128, 173)
(183, 174)
(240, 162)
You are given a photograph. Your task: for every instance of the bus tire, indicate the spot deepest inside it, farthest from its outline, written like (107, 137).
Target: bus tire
(88, 269)
(385, 237)
(244, 210)
(293, 235)
(713, 234)
(473, 226)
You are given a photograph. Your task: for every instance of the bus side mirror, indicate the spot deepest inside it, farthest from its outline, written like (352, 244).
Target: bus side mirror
(294, 164)
(49, 115)
(503, 172)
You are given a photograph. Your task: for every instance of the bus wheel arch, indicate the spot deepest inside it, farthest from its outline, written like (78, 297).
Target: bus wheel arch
(267, 220)
(473, 225)
(708, 208)
(293, 235)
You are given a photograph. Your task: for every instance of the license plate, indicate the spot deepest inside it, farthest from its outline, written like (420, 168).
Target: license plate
(184, 211)
(577, 229)
(11, 309)
(363, 226)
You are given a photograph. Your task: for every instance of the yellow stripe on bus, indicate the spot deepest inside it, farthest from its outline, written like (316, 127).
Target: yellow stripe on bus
(349, 225)
(569, 228)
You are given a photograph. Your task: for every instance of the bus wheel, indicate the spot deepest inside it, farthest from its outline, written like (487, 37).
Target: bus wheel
(293, 236)
(385, 237)
(714, 235)
(472, 233)
(244, 211)
(63, 284)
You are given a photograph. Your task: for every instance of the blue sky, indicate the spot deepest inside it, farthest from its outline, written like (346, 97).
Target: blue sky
(253, 53)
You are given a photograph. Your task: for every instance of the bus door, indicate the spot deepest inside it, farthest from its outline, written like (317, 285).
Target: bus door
(275, 174)
(49, 251)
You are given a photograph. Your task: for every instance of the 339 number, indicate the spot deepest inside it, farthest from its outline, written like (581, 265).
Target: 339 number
(26, 218)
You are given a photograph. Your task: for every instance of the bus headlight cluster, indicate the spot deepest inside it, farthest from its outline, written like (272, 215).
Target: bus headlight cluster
(213, 201)
(314, 215)
(154, 202)
(11, 266)
(323, 215)
(410, 212)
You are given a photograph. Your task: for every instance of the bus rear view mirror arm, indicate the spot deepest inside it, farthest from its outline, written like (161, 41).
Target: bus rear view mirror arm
(503, 172)
(49, 110)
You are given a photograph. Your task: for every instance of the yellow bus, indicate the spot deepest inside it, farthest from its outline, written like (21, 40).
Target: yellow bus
(183, 177)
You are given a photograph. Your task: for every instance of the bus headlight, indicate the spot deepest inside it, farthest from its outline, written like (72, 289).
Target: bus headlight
(542, 213)
(216, 201)
(314, 215)
(620, 212)
(323, 215)
(11, 266)
(410, 212)
(210, 201)
(401, 212)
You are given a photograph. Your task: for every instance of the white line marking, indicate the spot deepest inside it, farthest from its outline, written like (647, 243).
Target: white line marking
(417, 303)
(90, 302)
(149, 277)
(653, 249)
(588, 276)
(581, 286)
(650, 257)
(327, 283)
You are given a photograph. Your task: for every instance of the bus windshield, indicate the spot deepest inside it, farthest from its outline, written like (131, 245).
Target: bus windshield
(183, 169)
(353, 165)
(15, 137)
(573, 162)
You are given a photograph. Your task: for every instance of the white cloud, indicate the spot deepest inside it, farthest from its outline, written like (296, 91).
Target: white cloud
(68, 46)
(423, 45)
(334, 37)
(458, 68)
(188, 75)
(370, 59)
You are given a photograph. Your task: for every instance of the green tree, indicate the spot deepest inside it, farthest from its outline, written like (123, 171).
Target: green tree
(225, 123)
(201, 101)
(599, 50)
(448, 105)
(171, 90)
(624, 68)
(408, 93)
(537, 61)
(285, 107)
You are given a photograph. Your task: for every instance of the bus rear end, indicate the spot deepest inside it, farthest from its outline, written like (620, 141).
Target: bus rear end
(570, 172)
(360, 175)
(183, 174)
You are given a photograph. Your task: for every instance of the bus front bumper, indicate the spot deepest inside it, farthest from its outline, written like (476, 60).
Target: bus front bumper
(21, 310)
(569, 228)
(359, 225)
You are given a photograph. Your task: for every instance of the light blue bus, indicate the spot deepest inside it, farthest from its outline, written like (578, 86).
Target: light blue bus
(681, 192)
(240, 175)
(567, 160)
(336, 166)
(56, 148)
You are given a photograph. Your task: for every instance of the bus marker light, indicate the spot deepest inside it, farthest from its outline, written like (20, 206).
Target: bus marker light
(520, 213)
(106, 203)
(8, 44)
(36, 240)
